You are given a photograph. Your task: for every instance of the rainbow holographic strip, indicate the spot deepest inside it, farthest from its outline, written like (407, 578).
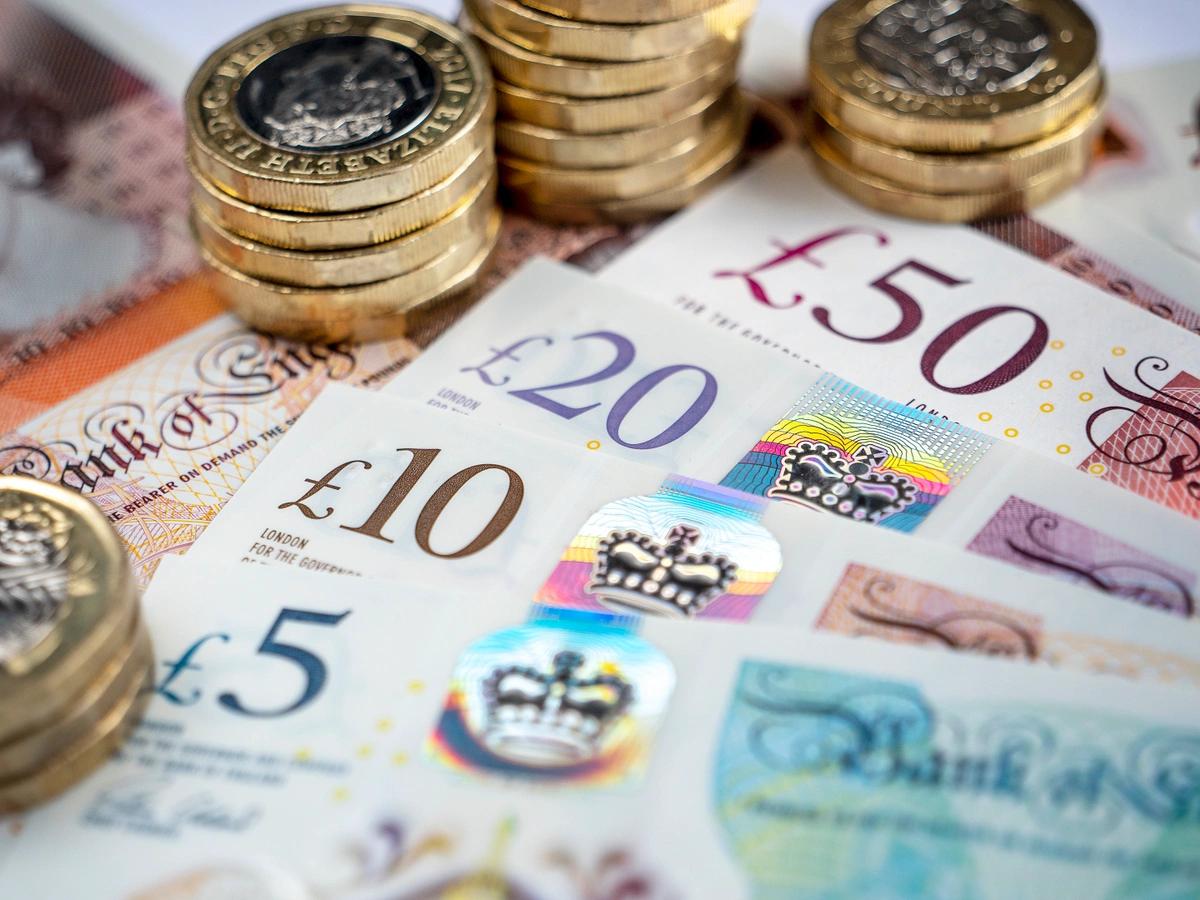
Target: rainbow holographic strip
(844, 450)
(691, 550)
(568, 698)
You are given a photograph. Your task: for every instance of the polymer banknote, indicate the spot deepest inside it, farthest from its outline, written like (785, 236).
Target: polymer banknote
(939, 319)
(872, 582)
(558, 354)
(306, 738)
(373, 486)
(377, 486)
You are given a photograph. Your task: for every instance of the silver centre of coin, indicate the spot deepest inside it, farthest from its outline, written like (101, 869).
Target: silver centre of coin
(949, 48)
(35, 572)
(337, 93)
(333, 101)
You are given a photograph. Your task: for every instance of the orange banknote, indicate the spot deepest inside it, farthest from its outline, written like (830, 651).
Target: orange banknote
(162, 444)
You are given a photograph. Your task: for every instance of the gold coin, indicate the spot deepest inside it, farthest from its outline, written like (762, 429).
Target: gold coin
(609, 114)
(340, 108)
(967, 173)
(335, 268)
(566, 150)
(890, 197)
(977, 77)
(546, 184)
(335, 231)
(80, 759)
(364, 312)
(24, 756)
(629, 12)
(68, 598)
(573, 39)
(584, 78)
(623, 212)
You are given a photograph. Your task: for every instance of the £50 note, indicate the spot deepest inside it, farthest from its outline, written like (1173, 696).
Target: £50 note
(939, 318)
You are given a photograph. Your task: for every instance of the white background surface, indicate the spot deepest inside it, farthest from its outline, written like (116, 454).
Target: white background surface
(166, 40)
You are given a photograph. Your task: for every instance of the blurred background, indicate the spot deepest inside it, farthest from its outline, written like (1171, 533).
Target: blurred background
(171, 38)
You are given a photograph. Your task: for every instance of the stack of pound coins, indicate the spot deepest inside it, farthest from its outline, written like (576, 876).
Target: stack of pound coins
(344, 170)
(75, 657)
(952, 111)
(613, 110)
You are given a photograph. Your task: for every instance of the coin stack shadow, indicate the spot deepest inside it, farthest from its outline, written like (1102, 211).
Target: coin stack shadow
(343, 169)
(956, 114)
(75, 656)
(613, 110)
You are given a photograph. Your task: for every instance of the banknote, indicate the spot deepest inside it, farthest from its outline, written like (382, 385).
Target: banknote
(554, 352)
(371, 485)
(940, 319)
(163, 443)
(558, 354)
(873, 582)
(697, 551)
(93, 215)
(306, 739)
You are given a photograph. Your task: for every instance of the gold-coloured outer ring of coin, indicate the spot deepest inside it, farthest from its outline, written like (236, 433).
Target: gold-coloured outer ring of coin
(587, 78)
(336, 231)
(967, 173)
(624, 212)
(600, 116)
(83, 561)
(24, 756)
(339, 268)
(630, 12)
(852, 91)
(364, 312)
(574, 39)
(896, 199)
(249, 140)
(546, 184)
(567, 150)
(80, 759)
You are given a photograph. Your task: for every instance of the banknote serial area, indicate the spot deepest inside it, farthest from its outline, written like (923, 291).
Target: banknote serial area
(539, 449)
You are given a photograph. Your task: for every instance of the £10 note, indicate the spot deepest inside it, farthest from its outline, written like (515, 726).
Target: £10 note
(373, 485)
(561, 355)
(941, 319)
(307, 738)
